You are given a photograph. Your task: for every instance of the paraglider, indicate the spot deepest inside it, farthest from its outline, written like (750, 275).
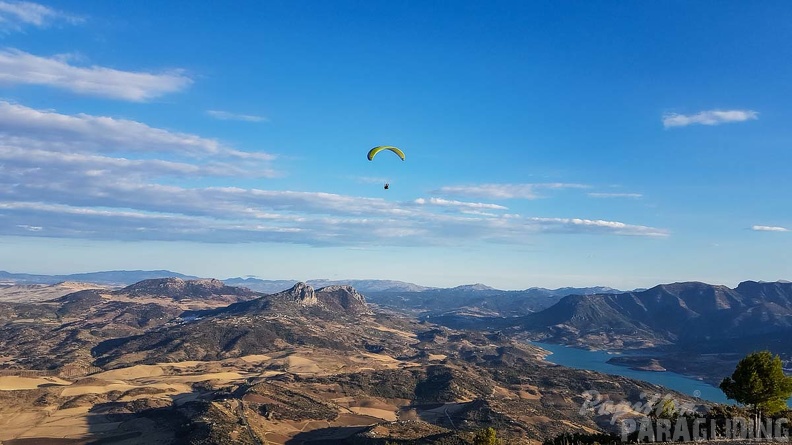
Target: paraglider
(373, 152)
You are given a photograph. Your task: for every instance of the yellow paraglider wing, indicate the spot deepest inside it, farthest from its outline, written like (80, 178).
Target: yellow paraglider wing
(376, 150)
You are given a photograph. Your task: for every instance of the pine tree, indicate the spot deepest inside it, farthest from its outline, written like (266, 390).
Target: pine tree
(486, 436)
(760, 383)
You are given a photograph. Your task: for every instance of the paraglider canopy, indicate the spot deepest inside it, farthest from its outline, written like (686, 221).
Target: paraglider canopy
(373, 152)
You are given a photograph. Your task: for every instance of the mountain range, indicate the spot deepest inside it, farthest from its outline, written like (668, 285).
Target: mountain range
(670, 314)
(120, 278)
(475, 300)
(478, 299)
(678, 313)
(107, 278)
(214, 356)
(668, 324)
(169, 360)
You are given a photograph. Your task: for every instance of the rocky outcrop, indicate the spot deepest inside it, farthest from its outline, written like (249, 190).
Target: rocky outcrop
(344, 298)
(302, 294)
(302, 299)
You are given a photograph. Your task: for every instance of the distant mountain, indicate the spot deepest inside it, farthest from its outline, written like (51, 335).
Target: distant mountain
(259, 285)
(127, 277)
(109, 278)
(475, 300)
(297, 316)
(580, 290)
(393, 294)
(335, 301)
(472, 288)
(178, 289)
(690, 312)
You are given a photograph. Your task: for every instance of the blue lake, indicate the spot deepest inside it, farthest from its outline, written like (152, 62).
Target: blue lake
(597, 361)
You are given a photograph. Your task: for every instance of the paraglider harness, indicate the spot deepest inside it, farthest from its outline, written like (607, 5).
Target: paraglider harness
(386, 186)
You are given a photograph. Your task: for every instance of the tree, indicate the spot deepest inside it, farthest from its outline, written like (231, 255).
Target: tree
(759, 382)
(486, 436)
(664, 409)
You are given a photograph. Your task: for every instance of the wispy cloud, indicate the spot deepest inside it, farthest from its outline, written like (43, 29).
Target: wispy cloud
(123, 205)
(99, 177)
(213, 225)
(459, 204)
(14, 16)
(226, 116)
(151, 168)
(769, 229)
(31, 128)
(506, 191)
(711, 117)
(576, 225)
(616, 195)
(20, 68)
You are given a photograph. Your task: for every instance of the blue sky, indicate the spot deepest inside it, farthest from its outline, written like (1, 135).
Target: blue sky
(547, 143)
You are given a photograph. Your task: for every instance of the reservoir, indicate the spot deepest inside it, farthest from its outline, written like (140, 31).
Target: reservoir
(597, 361)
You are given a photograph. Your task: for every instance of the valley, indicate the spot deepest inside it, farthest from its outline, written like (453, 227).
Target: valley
(196, 361)
(666, 324)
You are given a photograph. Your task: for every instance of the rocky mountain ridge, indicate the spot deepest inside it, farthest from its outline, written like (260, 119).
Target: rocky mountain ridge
(669, 313)
(332, 300)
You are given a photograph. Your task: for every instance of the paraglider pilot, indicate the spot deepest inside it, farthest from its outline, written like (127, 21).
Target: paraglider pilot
(378, 149)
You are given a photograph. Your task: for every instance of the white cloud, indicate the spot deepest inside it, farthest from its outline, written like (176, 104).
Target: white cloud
(226, 116)
(109, 198)
(506, 191)
(120, 167)
(711, 117)
(94, 177)
(82, 203)
(20, 68)
(616, 195)
(466, 205)
(30, 228)
(769, 229)
(217, 225)
(23, 126)
(597, 226)
(14, 15)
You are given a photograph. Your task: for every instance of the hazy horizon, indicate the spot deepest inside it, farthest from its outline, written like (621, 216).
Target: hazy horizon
(443, 285)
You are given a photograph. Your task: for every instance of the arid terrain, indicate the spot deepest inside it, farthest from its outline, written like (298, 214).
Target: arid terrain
(174, 361)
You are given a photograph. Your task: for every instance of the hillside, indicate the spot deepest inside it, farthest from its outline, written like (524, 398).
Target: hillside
(667, 314)
(27, 293)
(475, 300)
(170, 361)
(668, 324)
(53, 333)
